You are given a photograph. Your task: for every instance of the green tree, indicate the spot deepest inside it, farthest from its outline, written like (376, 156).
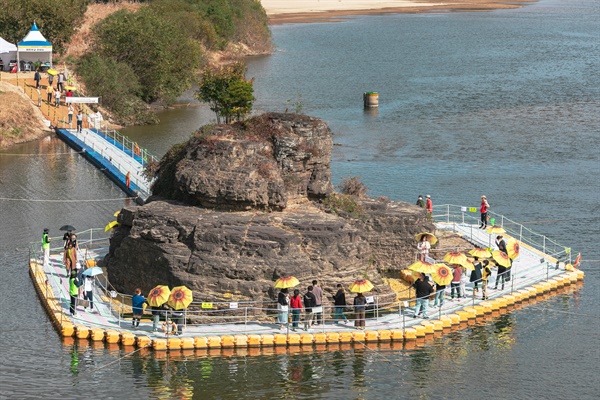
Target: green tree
(227, 91)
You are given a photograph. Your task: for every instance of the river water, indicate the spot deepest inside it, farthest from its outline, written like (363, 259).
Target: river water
(504, 103)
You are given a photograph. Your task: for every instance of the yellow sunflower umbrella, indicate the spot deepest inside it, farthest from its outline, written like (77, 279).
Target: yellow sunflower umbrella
(421, 266)
(468, 264)
(455, 257)
(180, 298)
(501, 258)
(495, 230)
(117, 213)
(480, 253)
(361, 286)
(286, 282)
(432, 238)
(110, 225)
(513, 247)
(52, 71)
(442, 274)
(70, 87)
(159, 295)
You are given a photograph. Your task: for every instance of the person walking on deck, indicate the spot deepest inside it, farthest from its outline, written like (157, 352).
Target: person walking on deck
(79, 121)
(296, 306)
(429, 206)
(73, 292)
(309, 302)
(318, 292)
(424, 290)
(70, 115)
(37, 78)
(49, 94)
(282, 308)
(360, 304)
(137, 307)
(455, 284)
(61, 81)
(57, 98)
(46, 246)
(339, 302)
(483, 209)
(88, 290)
(420, 202)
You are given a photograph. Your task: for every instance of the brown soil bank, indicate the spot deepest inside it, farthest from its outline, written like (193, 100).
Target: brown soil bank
(20, 120)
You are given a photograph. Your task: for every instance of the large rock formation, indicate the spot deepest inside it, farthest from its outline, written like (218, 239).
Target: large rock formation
(211, 223)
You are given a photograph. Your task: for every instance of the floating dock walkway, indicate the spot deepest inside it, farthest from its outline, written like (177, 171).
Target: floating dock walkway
(536, 273)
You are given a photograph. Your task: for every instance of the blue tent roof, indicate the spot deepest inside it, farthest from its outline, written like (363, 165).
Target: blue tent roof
(35, 40)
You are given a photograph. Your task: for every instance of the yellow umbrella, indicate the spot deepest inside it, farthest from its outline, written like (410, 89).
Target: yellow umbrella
(480, 253)
(468, 264)
(70, 87)
(110, 225)
(455, 257)
(180, 298)
(286, 282)
(495, 230)
(159, 295)
(513, 249)
(117, 213)
(361, 286)
(501, 258)
(442, 274)
(52, 71)
(421, 266)
(432, 238)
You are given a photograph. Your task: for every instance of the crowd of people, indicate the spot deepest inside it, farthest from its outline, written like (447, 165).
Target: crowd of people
(56, 93)
(310, 305)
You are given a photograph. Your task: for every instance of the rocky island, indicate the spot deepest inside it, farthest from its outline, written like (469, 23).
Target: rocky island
(238, 206)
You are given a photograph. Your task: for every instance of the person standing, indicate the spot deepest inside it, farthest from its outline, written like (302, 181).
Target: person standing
(420, 202)
(429, 206)
(296, 306)
(455, 284)
(483, 209)
(339, 302)
(501, 275)
(485, 274)
(476, 276)
(46, 246)
(73, 292)
(37, 78)
(137, 307)
(156, 312)
(70, 114)
(88, 290)
(57, 98)
(438, 299)
(360, 304)
(79, 121)
(309, 302)
(39, 97)
(423, 247)
(61, 81)
(424, 290)
(282, 308)
(50, 79)
(49, 94)
(318, 292)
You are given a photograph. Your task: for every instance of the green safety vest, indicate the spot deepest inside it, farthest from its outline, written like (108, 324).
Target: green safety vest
(45, 241)
(73, 290)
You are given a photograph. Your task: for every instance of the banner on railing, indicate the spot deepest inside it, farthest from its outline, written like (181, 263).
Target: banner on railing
(207, 305)
(233, 306)
(370, 299)
(82, 100)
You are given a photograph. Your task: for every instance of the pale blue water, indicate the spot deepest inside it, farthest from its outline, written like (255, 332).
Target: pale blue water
(504, 103)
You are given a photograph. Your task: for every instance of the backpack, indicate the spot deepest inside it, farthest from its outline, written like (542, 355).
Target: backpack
(78, 282)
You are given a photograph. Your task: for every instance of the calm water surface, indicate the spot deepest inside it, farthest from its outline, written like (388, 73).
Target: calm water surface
(505, 104)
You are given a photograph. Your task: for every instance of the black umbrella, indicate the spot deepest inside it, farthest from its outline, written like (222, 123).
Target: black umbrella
(67, 228)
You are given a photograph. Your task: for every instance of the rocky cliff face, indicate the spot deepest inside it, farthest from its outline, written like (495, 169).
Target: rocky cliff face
(235, 208)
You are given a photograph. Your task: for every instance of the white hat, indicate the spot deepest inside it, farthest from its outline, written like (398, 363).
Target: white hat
(428, 196)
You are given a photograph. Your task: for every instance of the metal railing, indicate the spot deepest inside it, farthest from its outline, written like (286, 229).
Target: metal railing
(126, 145)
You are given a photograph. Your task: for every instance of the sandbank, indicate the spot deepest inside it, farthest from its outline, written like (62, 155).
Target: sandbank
(296, 11)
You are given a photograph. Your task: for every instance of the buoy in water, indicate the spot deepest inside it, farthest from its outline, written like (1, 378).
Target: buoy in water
(371, 99)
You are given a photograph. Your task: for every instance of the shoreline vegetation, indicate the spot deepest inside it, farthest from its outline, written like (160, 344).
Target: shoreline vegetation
(307, 11)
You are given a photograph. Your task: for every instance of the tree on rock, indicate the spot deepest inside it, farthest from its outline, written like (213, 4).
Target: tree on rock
(227, 90)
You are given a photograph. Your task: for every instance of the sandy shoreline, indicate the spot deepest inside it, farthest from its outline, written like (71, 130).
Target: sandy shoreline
(296, 11)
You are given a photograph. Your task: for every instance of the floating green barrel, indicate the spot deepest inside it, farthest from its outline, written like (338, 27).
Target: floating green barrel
(371, 99)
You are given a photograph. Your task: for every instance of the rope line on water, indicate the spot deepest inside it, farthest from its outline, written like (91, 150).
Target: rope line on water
(67, 200)
(110, 363)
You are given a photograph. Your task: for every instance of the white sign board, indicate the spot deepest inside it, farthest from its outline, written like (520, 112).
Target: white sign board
(82, 100)
(370, 299)
(233, 306)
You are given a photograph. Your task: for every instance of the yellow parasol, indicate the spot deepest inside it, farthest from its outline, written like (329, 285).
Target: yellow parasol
(70, 87)
(468, 264)
(432, 239)
(286, 282)
(110, 225)
(117, 213)
(513, 247)
(361, 286)
(495, 230)
(159, 295)
(421, 266)
(52, 71)
(442, 274)
(501, 258)
(455, 257)
(180, 298)
(480, 253)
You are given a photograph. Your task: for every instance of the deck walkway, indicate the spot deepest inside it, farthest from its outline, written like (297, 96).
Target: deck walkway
(528, 269)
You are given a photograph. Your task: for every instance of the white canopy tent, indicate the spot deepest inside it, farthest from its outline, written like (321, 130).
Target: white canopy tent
(34, 48)
(8, 51)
